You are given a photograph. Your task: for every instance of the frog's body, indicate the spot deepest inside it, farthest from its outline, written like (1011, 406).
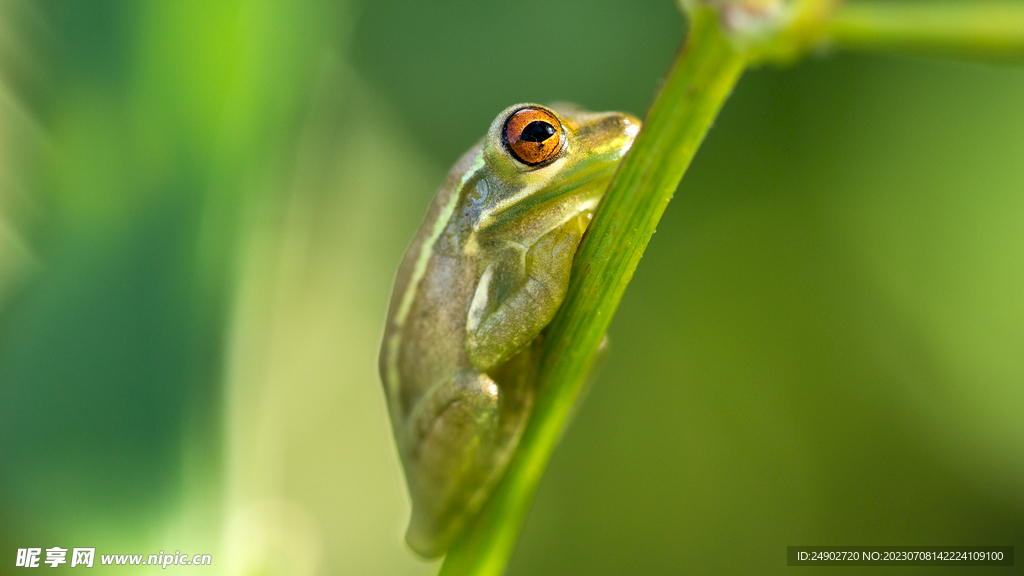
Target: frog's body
(485, 273)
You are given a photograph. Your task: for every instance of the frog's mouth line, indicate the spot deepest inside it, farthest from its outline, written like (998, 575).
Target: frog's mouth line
(586, 185)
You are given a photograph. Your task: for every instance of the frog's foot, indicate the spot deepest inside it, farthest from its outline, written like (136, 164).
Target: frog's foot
(450, 464)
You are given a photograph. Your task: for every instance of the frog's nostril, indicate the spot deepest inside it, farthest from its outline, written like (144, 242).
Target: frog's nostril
(627, 124)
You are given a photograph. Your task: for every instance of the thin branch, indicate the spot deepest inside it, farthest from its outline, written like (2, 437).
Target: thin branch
(968, 28)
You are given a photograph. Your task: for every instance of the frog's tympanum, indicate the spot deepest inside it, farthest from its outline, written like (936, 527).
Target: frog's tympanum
(486, 272)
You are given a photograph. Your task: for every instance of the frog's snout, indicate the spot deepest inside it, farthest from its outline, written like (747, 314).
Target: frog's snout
(630, 126)
(612, 131)
(610, 135)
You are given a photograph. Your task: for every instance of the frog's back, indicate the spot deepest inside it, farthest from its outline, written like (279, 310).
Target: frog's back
(424, 340)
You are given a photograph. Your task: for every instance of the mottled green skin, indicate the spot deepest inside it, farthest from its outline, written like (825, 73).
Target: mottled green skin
(486, 272)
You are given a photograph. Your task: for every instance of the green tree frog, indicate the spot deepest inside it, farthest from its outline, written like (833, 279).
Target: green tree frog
(485, 273)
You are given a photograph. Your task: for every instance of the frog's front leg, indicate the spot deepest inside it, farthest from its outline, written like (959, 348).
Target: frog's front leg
(517, 298)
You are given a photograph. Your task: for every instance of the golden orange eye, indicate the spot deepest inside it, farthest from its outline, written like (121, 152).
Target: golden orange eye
(533, 135)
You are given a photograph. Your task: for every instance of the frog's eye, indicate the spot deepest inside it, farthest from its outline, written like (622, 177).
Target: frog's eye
(533, 135)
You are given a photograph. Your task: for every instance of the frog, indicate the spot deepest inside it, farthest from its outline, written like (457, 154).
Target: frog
(484, 275)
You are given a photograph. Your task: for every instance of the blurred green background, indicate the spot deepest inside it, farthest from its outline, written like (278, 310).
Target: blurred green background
(202, 206)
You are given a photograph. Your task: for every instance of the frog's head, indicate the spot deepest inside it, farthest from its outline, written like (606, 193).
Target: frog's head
(544, 165)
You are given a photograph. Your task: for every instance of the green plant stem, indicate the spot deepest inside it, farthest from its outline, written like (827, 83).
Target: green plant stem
(969, 28)
(700, 80)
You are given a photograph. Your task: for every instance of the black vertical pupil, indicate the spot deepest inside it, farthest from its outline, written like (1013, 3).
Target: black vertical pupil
(537, 131)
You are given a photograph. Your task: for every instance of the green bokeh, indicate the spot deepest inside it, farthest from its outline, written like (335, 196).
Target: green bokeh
(202, 206)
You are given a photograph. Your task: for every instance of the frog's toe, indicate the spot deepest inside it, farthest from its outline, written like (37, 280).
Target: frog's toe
(423, 540)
